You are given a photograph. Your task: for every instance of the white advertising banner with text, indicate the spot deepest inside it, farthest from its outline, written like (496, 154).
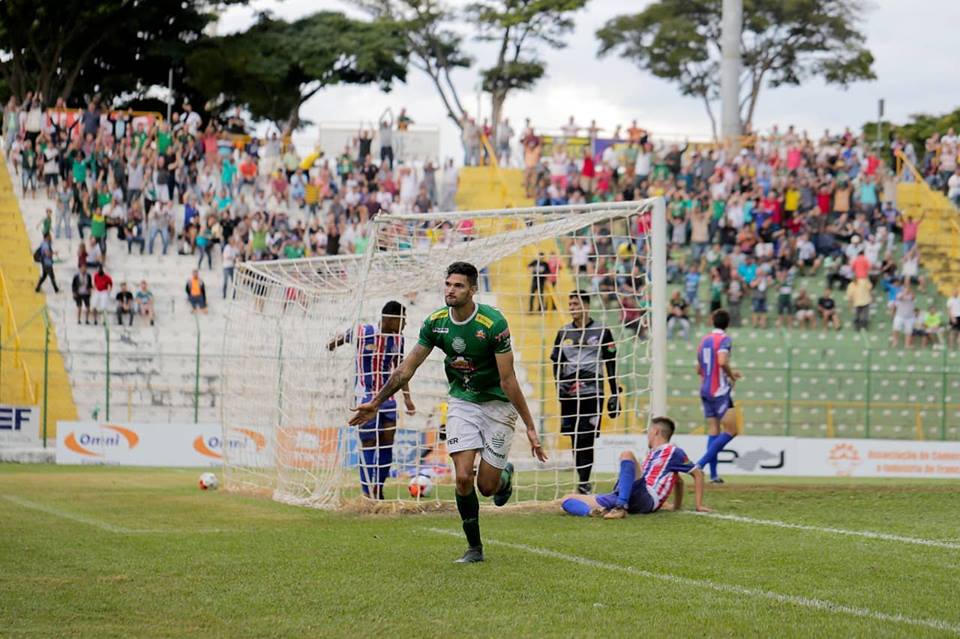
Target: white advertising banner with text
(176, 444)
(19, 425)
(805, 457)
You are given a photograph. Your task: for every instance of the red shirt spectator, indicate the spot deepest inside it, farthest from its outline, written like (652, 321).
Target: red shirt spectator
(861, 266)
(102, 282)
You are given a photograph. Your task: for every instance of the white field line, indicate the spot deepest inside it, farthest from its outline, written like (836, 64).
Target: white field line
(866, 534)
(730, 589)
(97, 523)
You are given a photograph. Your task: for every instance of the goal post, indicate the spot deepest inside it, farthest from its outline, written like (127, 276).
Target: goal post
(297, 331)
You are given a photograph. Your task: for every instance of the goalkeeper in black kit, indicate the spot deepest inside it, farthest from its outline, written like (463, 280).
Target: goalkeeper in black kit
(584, 352)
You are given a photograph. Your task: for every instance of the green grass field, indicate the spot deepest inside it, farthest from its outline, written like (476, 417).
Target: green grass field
(98, 552)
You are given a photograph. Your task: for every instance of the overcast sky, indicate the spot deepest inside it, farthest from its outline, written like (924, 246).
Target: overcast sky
(912, 41)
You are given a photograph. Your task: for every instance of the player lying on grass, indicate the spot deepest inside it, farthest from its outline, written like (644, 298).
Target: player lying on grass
(644, 488)
(379, 352)
(485, 396)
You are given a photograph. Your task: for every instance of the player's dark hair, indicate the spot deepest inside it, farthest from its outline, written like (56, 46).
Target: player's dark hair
(466, 269)
(665, 425)
(721, 319)
(393, 308)
(581, 295)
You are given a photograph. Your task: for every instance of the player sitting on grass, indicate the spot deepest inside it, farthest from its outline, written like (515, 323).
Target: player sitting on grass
(485, 396)
(379, 352)
(643, 488)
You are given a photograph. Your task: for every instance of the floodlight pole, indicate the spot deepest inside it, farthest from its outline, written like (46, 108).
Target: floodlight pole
(731, 26)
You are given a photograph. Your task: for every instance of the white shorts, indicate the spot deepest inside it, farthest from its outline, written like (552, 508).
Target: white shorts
(101, 300)
(487, 427)
(903, 325)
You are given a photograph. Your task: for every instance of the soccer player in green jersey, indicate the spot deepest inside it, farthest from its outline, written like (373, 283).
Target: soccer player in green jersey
(485, 397)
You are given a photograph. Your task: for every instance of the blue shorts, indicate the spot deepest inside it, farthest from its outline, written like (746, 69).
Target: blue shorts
(716, 406)
(387, 414)
(640, 502)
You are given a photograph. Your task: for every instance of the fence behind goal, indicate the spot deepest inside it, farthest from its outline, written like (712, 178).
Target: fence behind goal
(298, 384)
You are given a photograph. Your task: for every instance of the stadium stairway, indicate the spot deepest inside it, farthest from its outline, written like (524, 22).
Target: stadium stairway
(20, 275)
(939, 235)
(154, 372)
(491, 187)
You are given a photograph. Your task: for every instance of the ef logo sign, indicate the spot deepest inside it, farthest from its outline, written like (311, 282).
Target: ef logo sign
(14, 418)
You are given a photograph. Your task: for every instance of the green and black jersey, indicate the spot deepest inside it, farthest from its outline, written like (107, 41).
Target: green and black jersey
(470, 348)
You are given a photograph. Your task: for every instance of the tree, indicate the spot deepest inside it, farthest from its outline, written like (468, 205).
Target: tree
(783, 42)
(275, 66)
(73, 48)
(434, 48)
(517, 26)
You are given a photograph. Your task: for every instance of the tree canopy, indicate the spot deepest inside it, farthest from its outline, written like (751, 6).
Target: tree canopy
(783, 42)
(275, 66)
(76, 48)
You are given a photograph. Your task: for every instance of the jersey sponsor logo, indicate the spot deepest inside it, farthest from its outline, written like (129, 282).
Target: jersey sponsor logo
(481, 334)
(441, 330)
(452, 441)
(486, 321)
(462, 364)
(459, 345)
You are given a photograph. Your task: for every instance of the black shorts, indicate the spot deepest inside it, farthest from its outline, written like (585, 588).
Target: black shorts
(955, 323)
(50, 179)
(579, 415)
(82, 300)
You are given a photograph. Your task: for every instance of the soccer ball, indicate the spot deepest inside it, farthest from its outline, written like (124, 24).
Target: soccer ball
(420, 486)
(209, 481)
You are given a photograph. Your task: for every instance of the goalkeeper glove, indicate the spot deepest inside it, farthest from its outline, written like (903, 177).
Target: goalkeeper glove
(613, 406)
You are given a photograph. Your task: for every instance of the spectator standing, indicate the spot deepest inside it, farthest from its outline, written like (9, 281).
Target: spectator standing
(102, 285)
(44, 255)
(82, 286)
(505, 134)
(540, 271)
(229, 259)
(386, 138)
(859, 295)
(64, 204)
(904, 314)
(677, 317)
(932, 326)
(124, 304)
(803, 305)
(953, 312)
(196, 293)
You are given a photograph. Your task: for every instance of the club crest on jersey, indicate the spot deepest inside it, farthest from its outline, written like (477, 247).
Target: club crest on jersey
(568, 342)
(481, 335)
(369, 347)
(459, 344)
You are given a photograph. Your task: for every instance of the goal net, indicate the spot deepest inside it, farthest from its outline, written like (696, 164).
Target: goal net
(298, 331)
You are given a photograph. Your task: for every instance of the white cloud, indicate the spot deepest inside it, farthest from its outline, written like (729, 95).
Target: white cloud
(912, 42)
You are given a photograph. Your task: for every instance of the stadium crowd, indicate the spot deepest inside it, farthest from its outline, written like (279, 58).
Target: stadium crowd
(204, 188)
(747, 230)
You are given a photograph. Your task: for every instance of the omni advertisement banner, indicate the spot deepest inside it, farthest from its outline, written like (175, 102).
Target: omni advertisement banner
(806, 457)
(175, 444)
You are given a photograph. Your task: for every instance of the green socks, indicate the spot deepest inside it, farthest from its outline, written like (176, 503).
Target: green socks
(469, 508)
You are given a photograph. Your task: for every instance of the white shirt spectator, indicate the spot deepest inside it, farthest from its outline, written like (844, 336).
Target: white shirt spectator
(579, 255)
(229, 256)
(807, 250)
(953, 307)
(611, 158)
(644, 163)
(953, 186)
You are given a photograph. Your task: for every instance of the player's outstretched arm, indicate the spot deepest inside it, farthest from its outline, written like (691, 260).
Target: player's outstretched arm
(511, 387)
(398, 379)
(698, 484)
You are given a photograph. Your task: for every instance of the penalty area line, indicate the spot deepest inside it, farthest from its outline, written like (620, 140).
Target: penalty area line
(866, 534)
(730, 589)
(102, 525)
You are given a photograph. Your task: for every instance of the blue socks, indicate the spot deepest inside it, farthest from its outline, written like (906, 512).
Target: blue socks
(713, 449)
(385, 462)
(713, 462)
(368, 469)
(575, 507)
(628, 474)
